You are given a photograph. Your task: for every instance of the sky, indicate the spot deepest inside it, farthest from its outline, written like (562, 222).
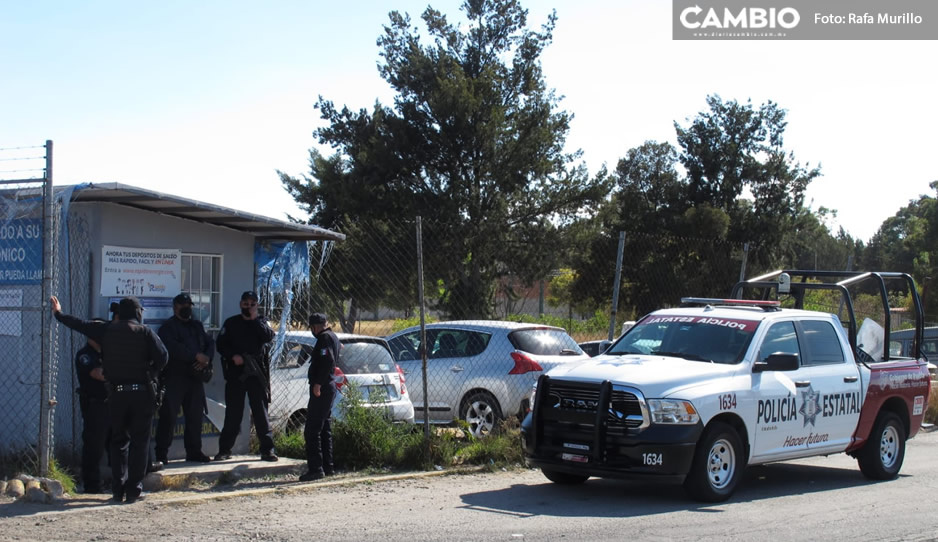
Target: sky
(209, 99)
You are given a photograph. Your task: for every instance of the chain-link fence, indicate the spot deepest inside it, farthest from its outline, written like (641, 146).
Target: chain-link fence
(484, 305)
(27, 390)
(482, 361)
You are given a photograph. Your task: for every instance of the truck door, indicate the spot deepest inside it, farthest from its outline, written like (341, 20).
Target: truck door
(829, 388)
(779, 427)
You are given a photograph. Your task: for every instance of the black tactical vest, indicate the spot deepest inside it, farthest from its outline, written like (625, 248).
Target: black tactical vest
(126, 356)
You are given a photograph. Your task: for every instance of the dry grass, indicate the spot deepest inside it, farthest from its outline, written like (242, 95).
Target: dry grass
(378, 328)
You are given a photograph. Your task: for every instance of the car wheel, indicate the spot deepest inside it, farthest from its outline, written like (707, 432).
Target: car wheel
(564, 478)
(481, 412)
(297, 421)
(882, 455)
(717, 465)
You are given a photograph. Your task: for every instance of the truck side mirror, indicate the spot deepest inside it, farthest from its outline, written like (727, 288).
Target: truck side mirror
(777, 362)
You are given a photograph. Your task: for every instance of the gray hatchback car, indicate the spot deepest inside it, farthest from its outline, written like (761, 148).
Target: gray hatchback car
(480, 370)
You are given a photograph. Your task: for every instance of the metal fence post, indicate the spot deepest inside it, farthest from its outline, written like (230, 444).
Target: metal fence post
(47, 406)
(423, 336)
(742, 267)
(615, 287)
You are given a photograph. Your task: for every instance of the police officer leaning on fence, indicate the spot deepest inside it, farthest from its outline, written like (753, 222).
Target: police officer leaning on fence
(92, 398)
(132, 356)
(190, 353)
(152, 464)
(322, 392)
(242, 343)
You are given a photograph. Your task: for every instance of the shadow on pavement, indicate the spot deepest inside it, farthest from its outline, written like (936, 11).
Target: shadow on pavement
(600, 497)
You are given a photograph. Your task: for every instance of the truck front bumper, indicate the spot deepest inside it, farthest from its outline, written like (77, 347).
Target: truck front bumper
(658, 451)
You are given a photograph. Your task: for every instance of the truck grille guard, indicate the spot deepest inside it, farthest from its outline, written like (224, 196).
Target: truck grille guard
(587, 411)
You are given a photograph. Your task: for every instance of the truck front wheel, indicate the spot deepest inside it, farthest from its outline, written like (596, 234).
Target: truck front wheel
(717, 465)
(881, 457)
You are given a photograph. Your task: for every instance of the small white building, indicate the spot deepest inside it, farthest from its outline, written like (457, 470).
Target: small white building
(114, 240)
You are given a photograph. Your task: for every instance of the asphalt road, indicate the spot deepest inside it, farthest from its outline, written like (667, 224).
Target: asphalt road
(819, 499)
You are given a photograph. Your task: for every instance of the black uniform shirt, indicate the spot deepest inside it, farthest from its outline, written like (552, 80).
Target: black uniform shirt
(130, 349)
(239, 336)
(86, 360)
(184, 339)
(324, 357)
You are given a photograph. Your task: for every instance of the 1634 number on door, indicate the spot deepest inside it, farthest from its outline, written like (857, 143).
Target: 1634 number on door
(727, 401)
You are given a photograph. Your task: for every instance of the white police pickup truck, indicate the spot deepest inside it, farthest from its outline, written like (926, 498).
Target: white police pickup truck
(696, 393)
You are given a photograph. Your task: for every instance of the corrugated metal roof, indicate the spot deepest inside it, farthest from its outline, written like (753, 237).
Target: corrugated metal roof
(260, 226)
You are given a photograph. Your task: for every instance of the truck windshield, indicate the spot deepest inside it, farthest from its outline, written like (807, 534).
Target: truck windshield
(699, 338)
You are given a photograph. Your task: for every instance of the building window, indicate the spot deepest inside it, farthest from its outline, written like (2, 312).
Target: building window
(201, 279)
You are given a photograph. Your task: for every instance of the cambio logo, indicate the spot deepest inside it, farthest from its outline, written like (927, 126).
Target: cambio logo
(787, 18)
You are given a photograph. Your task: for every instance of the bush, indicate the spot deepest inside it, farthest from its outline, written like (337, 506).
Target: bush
(365, 438)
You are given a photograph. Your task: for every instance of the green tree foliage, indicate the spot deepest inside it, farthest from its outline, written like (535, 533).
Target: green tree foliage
(473, 143)
(731, 182)
(908, 242)
(734, 148)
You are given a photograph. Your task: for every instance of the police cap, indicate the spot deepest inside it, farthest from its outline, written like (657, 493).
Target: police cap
(317, 319)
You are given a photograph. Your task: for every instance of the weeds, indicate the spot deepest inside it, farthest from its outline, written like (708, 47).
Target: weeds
(365, 438)
(61, 474)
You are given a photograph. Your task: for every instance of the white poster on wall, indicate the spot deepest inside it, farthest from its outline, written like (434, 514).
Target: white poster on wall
(141, 272)
(11, 322)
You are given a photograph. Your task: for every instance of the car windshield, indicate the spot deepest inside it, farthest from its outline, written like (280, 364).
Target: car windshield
(545, 342)
(365, 358)
(698, 338)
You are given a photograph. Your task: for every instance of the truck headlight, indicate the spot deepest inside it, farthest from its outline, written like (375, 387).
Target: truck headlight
(672, 411)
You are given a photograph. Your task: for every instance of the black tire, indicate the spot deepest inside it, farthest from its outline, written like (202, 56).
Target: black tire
(564, 478)
(717, 466)
(481, 411)
(882, 455)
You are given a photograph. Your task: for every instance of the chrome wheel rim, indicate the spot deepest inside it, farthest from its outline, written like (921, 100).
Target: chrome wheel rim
(721, 464)
(889, 446)
(481, 418)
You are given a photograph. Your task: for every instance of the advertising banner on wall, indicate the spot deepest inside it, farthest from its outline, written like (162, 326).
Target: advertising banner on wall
(21, 251)
(141, 272)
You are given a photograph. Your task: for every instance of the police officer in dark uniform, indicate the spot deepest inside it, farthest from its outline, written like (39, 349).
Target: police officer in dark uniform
(322, 392)
(153, 465)
(242, 343)
(190, 351)
(92, 397)
(132, 356)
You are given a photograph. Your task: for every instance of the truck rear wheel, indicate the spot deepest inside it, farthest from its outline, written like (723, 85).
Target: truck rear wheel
(881, 457)
(717, 465)
(564, 478)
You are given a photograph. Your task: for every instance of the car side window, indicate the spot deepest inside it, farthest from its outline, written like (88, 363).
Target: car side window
(780, 339)
(930, 348)
(405, 347)
(294, 356)
(822, 343)
(450, 343)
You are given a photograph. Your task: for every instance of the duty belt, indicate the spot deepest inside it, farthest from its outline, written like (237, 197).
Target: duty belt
(128, 387)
